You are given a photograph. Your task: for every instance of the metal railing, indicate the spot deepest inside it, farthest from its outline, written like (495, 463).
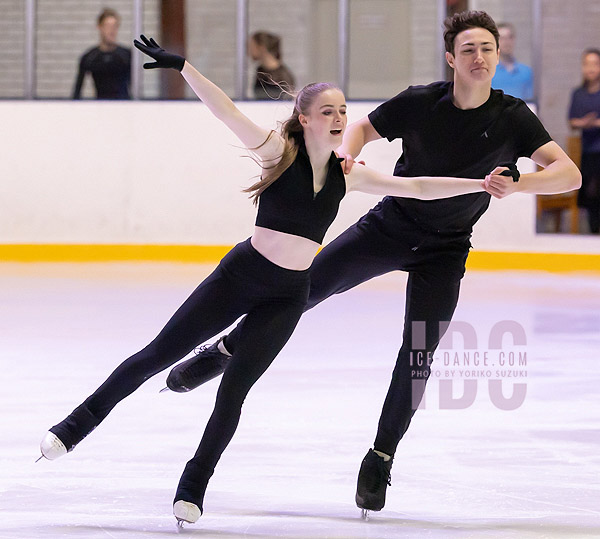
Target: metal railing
(241, 64)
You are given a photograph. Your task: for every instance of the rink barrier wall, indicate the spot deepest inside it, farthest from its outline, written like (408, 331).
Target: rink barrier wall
(211, 254)
(163, 181)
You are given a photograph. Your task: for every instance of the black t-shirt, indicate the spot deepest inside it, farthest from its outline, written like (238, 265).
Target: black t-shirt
(111, 71)
(439, 139)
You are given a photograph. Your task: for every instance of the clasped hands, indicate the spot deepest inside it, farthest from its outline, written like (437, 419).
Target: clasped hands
(502, 181)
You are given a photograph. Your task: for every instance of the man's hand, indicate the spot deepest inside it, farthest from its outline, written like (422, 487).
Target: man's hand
(500, 182)
(348, 162)
(163, 58)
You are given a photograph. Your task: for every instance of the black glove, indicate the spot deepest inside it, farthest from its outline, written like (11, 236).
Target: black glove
(162, 57)
(512, 171)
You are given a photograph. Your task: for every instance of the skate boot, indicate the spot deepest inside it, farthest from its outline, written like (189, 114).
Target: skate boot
(373, 478)
(208, 363)
(187, 505)
(63, 437)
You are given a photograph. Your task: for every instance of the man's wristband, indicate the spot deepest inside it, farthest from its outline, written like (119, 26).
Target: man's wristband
(512, 171)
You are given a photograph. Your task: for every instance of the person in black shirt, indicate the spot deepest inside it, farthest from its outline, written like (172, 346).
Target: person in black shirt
(461, 128)
(108, 63)
(265, 277)
(273, 78)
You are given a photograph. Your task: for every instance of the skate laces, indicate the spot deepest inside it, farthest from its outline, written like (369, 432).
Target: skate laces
(194, 364)
(383, 474)
(202, 348)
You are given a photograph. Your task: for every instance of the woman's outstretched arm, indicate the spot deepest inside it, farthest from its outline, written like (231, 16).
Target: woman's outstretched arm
(367, 180)
(266, 144)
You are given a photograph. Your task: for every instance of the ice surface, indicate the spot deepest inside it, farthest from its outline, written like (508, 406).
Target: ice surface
(290, 471)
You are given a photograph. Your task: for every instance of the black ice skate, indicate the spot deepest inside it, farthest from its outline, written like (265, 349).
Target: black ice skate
(373, 478)
(208, 363)
(63, 437)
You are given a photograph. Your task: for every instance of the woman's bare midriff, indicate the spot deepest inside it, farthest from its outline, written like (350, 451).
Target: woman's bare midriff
(285, 250)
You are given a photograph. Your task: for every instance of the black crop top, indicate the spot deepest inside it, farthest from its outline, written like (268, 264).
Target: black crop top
(290, 205)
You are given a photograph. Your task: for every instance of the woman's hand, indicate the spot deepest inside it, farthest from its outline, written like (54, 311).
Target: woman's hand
(163, 58)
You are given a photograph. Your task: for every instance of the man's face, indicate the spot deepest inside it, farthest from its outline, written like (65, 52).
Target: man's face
(507, 41)
(475, 56)
(109, 28)
(253, 50)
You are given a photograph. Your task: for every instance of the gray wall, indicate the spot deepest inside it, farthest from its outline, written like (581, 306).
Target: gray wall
(12, 43)
(567, 29)
(394, 43)
(66, 29)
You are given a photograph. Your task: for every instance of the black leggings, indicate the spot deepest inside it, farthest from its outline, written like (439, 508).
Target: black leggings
(273, 299)
(588, 196)
(383, 241)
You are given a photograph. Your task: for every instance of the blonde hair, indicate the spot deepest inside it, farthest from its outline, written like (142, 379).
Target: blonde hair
(293, 135)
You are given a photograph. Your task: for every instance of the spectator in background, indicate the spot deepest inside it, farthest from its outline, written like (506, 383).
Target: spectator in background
(583, 114)
(108, 63)
(273, 78)
(512, 77)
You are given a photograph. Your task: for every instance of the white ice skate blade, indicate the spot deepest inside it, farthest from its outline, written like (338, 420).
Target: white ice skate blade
(51, 446)
(185, 512)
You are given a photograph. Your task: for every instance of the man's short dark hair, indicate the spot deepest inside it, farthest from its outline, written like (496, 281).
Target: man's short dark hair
(108, 12)
(459, 22)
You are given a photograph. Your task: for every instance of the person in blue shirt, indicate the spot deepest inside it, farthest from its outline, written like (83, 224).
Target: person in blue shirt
(584, 114)
(512, 77)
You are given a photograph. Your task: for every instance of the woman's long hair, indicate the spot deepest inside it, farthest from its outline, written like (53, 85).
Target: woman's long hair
(293, 135)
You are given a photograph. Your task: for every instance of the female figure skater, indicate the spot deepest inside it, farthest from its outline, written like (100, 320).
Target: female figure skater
(265, 277)
(584, 114)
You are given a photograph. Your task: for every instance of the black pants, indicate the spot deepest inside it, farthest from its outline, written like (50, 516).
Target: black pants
(588, 196)
(273, 299)
(385, 240)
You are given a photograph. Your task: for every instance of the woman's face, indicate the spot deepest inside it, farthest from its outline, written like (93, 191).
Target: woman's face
(255, 51)
(326, 119)
(590, 67)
